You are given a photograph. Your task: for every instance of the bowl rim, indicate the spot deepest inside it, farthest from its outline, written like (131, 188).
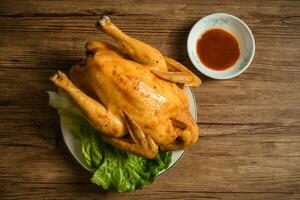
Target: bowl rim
(190, 49)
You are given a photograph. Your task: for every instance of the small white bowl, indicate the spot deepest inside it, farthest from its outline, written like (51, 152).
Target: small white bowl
(238, 29)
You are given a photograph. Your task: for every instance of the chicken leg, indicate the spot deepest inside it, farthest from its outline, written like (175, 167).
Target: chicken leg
(149, 56)
(138, 51)
(101, 119)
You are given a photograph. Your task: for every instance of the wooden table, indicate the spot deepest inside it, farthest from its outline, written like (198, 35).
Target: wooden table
(249, 146)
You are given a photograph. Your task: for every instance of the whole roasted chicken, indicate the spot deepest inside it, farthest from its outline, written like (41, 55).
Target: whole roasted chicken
(132, 94)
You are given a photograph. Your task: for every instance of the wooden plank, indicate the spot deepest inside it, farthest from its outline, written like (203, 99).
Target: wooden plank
(12, 191)
(215, 105)
(75, 31)
(207, 114)
(170, 9)
(232, 140)
(217, 173)
(266, 154)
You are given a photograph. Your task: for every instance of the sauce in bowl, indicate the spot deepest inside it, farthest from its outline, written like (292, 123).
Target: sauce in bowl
(218, 49)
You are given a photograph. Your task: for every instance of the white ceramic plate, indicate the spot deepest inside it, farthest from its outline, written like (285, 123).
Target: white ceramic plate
(233, 25)
(75, 147)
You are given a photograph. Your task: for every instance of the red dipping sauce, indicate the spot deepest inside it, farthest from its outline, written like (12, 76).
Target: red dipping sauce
(218, 49)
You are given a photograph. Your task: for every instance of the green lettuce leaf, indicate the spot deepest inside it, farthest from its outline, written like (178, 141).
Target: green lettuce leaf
(115, 170)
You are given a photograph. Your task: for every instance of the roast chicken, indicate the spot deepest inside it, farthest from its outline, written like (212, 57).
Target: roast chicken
(132, 94)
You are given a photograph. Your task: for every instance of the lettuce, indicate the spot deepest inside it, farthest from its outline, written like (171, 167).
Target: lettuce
(115, 170)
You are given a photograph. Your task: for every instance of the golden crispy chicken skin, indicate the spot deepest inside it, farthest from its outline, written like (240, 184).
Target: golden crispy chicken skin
(132, 89)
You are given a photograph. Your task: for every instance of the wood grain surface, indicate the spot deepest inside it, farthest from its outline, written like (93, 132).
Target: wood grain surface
(249, 145)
